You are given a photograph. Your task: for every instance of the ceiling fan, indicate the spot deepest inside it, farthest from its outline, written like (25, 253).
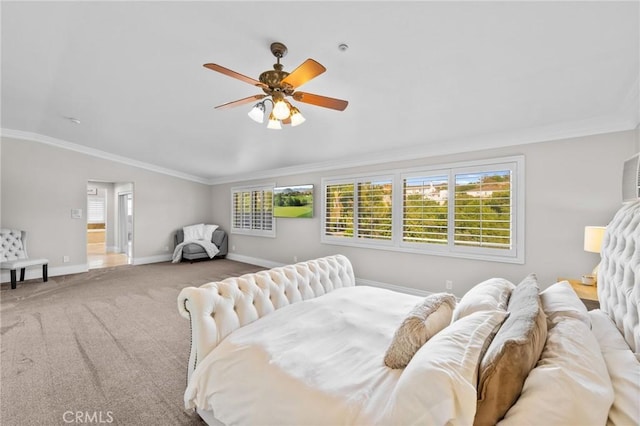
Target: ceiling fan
(277, 86)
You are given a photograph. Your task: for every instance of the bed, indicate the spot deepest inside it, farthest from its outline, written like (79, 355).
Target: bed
(302, 344)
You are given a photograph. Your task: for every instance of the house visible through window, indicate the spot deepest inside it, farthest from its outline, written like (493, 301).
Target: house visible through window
(252, 211)
(472, 210)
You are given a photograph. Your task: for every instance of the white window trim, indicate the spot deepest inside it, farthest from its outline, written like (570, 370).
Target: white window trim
(515, 255)
(355, 240)
(269, 233)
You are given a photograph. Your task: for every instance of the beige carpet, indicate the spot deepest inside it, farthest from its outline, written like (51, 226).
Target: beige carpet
(107, 346)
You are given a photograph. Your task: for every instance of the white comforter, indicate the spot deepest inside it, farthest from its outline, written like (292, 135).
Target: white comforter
(325, 355)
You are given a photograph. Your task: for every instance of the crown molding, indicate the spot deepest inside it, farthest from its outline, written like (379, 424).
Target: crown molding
(627, 118)
(59, 143)
(599, 125)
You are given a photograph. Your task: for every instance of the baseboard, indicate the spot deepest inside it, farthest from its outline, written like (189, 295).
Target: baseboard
(152, 259)
(35, 273)
(398, 288)
(359, 281)
(254, 260)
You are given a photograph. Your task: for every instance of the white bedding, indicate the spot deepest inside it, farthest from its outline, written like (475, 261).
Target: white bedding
(328, 383)
(623, 367)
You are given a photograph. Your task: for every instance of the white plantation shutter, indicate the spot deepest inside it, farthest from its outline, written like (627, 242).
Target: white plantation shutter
(483, 209)
(252, 211)
(359, 209)
(95, 209)
(375, 209)
(425, 213)
(471, 210)
(339, 209)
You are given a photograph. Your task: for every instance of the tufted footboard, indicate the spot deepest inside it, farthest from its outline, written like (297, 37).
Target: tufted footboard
(216, 309)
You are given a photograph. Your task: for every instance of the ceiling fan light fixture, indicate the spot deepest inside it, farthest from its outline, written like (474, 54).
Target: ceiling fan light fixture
(281, 109)
(257, 112)
(274, 123)
(296, 117)
(277, 85)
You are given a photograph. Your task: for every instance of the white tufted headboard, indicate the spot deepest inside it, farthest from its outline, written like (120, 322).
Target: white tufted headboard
(216, 309)
(619, 273)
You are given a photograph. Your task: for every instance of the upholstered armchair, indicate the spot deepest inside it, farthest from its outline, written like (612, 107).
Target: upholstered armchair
(13, 255)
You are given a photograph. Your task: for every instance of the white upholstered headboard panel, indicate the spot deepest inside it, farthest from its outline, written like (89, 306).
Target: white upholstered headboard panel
(619, 273)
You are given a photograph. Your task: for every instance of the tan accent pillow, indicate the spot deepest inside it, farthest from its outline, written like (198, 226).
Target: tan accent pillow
(423, 322)
(512, 354)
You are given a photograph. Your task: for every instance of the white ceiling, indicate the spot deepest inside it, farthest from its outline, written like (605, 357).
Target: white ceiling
(421, 78)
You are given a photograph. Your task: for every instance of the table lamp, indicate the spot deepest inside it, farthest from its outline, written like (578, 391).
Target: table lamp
(593, 236)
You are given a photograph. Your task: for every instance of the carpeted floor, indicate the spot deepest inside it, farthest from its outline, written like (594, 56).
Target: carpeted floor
(107, 346)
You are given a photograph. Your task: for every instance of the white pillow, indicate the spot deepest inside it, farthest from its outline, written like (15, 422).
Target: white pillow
(208, 232)
(624, 369)
(560, 300)
(492, 294)
(438, 386)
(570, 384)
(194, 232)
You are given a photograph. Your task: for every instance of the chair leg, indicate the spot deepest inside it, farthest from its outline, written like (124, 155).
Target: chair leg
(45, 272)
(13, 279)
(22, 274)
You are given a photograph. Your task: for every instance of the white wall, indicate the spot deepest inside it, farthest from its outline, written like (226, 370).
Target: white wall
(41, 184)
(569, 184)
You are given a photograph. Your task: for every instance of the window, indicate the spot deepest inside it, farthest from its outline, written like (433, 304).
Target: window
(252, 211)
(359, 209)
(483, 209)
(95, 209)
(472, 210)
(425, 211)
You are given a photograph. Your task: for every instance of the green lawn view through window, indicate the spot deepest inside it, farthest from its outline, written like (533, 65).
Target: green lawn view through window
(471, 210)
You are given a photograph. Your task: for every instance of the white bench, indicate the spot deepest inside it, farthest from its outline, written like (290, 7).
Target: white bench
(13, 255)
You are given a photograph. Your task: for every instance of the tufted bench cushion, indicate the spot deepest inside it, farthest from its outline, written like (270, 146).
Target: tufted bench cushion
(218, 308)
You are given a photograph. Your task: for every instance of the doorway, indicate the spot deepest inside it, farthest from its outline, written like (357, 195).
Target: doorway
(109, 224)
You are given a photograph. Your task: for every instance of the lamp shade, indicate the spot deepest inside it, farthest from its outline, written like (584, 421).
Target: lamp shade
(593, 236)
(274, 123)
(257, 112)
(296, 117)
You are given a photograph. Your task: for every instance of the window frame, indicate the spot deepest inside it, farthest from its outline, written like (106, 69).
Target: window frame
(516, 254)
(355, 239)
(250, 229)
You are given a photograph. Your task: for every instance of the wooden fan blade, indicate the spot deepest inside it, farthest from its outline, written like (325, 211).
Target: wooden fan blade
(230, 73)
(241, 101)
(323, 101)
(306, 71)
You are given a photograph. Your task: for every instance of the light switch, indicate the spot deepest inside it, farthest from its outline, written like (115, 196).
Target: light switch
(76, 213)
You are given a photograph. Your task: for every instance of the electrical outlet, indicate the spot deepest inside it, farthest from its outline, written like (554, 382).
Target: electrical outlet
(295, 258)
(448, 284)
(65, 259)
(233, 248)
